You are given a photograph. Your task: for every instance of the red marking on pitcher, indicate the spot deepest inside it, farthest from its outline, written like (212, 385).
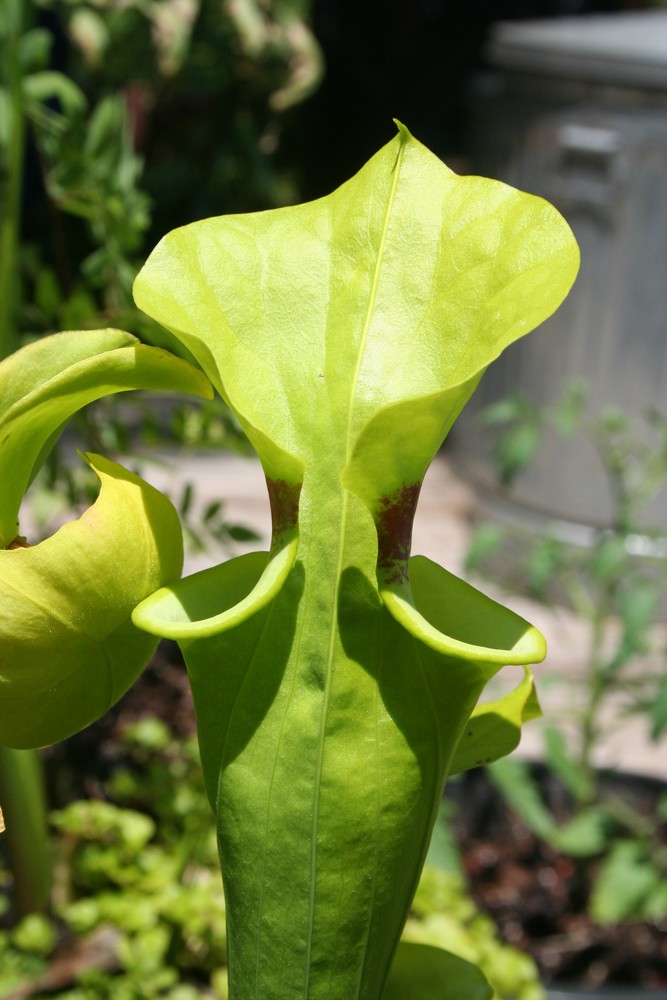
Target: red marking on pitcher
(393, 520)
(284, 503)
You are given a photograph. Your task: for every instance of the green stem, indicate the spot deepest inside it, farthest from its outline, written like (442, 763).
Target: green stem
(594, 687)
(24, 808)
(594, 692)
(12, 179)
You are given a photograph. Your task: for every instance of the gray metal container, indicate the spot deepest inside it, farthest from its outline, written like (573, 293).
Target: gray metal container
(576, 111)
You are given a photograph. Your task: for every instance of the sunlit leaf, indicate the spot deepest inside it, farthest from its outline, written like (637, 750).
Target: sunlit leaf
(68, 649)
(494, 728)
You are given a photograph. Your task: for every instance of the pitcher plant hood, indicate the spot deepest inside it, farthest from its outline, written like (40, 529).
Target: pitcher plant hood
(335, 678)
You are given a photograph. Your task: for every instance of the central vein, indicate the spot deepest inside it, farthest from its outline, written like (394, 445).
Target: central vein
(372, 297)
(340, 561)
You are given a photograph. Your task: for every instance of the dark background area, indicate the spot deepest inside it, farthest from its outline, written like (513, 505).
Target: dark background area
(208, 137)
(391, 59)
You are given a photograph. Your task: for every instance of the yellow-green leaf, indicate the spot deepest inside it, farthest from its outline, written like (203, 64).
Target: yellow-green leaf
(68, 649)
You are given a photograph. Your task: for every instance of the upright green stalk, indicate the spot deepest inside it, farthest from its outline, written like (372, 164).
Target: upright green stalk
(24, 808)
(595, 692)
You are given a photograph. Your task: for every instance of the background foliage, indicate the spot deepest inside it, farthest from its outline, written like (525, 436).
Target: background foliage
(124, 120)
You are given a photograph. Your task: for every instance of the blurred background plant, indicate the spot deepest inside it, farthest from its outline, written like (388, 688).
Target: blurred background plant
(124, 120)
(617, 585)
(118, 122)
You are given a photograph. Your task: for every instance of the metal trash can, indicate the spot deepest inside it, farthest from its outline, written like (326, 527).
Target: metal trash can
(576, 111)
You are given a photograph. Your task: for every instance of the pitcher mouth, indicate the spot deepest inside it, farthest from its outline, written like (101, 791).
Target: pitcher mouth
(243, 586)
(442, 611)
